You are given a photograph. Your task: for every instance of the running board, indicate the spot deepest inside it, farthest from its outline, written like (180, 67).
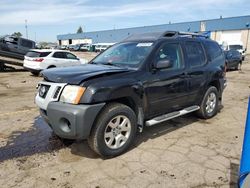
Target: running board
(171, 115)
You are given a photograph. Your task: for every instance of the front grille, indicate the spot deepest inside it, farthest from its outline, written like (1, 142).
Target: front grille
(58, 89)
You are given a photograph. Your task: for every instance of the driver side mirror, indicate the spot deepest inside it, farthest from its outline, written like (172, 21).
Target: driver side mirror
(164, 64)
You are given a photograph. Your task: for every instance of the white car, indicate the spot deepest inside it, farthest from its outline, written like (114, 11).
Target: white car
(38, 60)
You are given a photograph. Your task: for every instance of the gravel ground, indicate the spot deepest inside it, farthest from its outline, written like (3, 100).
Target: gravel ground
(184, 152)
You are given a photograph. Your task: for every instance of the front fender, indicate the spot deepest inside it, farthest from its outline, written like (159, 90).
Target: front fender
(114, 89)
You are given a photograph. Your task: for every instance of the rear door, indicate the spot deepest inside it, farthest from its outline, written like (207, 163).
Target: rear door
(196, 61)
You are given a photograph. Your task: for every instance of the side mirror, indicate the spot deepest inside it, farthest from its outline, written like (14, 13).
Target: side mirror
(229, 55)
(164, 64)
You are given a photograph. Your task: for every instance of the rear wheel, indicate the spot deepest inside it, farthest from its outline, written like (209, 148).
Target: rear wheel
(209, 104)
(114, 130)
(51, 66)
(35, 73)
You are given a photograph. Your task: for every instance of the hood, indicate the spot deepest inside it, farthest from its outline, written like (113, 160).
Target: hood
(77, 74)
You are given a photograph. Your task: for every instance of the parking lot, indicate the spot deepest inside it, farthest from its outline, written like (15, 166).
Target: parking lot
(183, 152)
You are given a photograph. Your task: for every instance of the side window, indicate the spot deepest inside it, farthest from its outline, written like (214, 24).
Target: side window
(70, 56)
(213, 50)
(195, 54)
(26, 43)
(59, 55)
(172, 52)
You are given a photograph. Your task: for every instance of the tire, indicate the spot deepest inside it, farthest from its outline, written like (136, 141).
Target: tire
(51, 66)
(208, 111)
(237, 67)
(35, 73)
(110, 142)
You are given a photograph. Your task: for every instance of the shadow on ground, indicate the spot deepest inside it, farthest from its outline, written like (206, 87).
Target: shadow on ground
(6, 68)
(234, 173)
(40, 139)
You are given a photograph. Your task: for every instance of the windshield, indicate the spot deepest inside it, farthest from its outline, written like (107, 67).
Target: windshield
(125, 54)
(235, 47)
(37, 54)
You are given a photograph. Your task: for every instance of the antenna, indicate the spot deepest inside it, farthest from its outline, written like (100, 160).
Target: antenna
(26, 28)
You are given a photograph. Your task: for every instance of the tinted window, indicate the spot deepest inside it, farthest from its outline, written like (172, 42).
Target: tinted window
(213, 50)
(70, 56)
(235, 47)
(37, 54)
(195, 54)
(26, 43)
(171, 52)
(11, 40)
(235, 53)
(59, 55)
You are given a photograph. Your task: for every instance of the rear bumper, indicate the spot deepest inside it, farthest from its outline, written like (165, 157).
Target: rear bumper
(71, 121)
(223, 84)
(32, 69)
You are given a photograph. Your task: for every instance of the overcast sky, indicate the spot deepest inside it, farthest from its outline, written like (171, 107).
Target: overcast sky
(48, 18)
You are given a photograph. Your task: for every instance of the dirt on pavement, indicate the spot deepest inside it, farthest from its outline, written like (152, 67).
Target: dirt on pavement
(183, 152)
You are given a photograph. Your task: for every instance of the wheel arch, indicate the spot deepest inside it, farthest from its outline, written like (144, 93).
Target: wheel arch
(216, 83)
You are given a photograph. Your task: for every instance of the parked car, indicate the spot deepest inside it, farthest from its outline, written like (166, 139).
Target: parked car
(86, 47)
(71, 47)
(233, 59)
(100, 47)
(141, 81)
(77, 47)
(63, 47)
(16, 44)
(234, 45)
(38, 60)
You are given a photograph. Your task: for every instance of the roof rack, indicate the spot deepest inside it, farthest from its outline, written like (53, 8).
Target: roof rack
(182, 34)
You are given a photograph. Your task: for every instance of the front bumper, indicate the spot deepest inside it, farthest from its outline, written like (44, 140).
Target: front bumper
(71, 121)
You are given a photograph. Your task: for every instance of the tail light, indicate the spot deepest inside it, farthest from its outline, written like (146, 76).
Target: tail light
(225, 70)
(38, 60)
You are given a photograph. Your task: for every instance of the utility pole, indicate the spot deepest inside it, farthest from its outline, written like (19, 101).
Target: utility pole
(26, 28)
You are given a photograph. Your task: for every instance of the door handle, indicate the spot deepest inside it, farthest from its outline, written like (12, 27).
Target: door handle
(184, 75)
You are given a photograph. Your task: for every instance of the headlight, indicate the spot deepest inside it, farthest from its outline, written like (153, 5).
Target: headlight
(72, 94)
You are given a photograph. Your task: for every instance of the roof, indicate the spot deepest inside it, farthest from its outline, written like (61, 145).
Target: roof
(166, 34)
(48, 50)
(232, 23)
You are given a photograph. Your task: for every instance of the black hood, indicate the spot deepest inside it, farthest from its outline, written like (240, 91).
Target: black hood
(77, 74)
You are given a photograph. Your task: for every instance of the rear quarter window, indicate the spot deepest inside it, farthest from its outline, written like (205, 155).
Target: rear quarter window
(26, 43)
(37, 54)
(213, 50)
(195, 54)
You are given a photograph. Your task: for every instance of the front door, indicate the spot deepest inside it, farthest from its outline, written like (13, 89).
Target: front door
(166, 89)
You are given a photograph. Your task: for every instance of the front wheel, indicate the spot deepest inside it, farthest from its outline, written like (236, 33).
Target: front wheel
(209, 104)
(114, 130)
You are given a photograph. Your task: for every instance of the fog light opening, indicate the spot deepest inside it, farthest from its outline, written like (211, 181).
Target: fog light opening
(65, 125)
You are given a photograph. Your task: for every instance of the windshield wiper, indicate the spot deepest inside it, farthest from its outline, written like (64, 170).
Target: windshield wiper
(108, 63)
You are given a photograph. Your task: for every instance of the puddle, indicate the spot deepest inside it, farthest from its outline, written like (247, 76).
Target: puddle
(38, 139)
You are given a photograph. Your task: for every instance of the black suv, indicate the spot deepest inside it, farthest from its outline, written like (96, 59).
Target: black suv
(141, 81)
